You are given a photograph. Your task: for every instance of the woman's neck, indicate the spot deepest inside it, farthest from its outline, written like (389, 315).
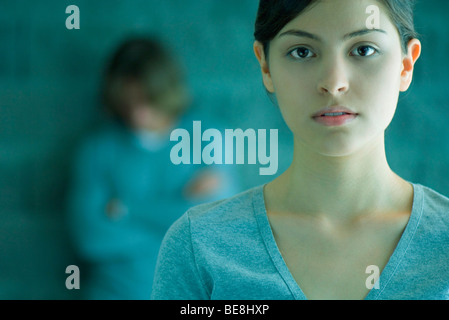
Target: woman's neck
(340, 188)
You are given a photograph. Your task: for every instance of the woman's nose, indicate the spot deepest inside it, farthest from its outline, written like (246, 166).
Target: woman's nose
(334, 80)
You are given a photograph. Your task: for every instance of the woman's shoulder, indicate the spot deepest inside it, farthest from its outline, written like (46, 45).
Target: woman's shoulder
(434, 207)
(239, 206)
(433, 199)
(221, 216)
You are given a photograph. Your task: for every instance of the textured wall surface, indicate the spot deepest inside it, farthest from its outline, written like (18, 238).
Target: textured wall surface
(49, 78)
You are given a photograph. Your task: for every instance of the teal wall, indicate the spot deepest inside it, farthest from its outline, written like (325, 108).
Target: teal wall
(49, 78)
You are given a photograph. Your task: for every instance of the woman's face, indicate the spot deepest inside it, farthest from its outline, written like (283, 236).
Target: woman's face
(327, 58)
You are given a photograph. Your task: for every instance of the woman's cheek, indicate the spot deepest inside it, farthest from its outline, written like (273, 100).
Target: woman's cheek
(296, 96)
(386, 94)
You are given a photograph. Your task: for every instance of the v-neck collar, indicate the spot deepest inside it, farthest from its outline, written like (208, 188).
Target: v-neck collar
(387, 273)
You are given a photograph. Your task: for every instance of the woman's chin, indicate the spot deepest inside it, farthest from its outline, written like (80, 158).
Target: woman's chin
(337, 148)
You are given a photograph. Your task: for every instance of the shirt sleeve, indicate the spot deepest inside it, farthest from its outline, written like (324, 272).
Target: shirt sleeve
(177, 276)
(95, 236)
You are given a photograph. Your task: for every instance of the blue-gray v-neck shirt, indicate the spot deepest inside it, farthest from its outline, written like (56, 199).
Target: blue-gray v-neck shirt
(225, 250)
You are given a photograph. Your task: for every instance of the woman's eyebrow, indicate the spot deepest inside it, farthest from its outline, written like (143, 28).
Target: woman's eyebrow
(362, 32)
(300, 33)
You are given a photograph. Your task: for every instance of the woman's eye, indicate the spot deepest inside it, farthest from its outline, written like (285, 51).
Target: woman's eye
(364, 51)
(301, 53)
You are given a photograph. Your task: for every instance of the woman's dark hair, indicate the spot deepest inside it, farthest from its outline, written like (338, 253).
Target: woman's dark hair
(144, 60)
(272, 16)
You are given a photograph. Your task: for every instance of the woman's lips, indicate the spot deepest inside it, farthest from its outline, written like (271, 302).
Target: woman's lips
(338, 120)
(334, 116)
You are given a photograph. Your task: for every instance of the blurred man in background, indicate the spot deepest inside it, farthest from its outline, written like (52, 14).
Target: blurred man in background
(125, 191)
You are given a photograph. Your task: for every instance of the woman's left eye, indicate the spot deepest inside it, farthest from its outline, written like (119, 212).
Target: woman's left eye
(364, 51)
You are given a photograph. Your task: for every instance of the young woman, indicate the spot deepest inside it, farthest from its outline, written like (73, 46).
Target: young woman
(338, 216)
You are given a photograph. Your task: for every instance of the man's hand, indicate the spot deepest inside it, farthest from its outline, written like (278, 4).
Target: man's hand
(204, 184)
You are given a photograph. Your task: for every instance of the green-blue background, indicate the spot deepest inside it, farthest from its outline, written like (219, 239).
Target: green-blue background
(49, 78)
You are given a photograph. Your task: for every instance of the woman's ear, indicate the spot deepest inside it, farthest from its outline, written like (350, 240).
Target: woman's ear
(266, 76)
(408, 63)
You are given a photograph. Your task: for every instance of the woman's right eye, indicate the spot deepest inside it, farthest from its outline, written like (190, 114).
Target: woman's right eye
(301, 53)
